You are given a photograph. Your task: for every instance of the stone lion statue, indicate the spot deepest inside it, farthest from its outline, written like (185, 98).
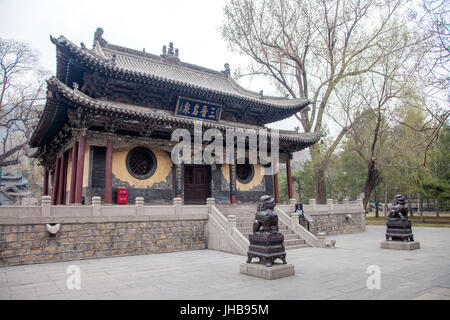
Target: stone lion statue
(266, 220)
(399, 209)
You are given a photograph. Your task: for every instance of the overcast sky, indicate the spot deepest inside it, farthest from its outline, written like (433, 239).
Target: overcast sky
(192, 25)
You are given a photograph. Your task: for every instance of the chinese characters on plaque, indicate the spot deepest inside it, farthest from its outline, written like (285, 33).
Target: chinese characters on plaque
(198, 109)
(233, 178)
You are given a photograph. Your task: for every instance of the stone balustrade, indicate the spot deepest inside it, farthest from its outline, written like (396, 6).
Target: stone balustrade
(96, 211)
(97, 230)
(331, 218)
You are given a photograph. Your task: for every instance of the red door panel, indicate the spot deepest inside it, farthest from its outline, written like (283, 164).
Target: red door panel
(196, 183)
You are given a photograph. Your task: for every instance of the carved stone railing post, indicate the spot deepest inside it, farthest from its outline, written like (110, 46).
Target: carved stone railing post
(294, 219)
(210, 202)
(321, 236)
(139, 204)
(292, 202)
(346, 203)
(330, 204)
(312, 202)
(232, 220)
(46, 206)
(177, 203)
(96, 206)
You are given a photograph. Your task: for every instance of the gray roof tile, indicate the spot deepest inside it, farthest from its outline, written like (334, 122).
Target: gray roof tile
(141, 64)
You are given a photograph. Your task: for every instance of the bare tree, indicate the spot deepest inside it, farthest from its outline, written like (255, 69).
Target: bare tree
(309, 48)
(21, 95)
(434, 21)
(399, 127)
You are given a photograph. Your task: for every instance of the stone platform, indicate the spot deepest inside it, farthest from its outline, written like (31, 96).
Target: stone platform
(276, 271)
(214, 275)
(400, 245)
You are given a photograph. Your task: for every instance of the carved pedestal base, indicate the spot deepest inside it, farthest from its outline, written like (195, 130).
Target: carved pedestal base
(400, 245)
(267, 247)
(399, 230)
(276, 271)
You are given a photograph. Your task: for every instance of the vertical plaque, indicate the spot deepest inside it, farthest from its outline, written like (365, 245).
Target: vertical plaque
(178, 179)
(233, 178)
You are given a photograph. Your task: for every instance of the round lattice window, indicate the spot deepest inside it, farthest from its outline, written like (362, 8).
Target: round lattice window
(141, 163)
(244, 172)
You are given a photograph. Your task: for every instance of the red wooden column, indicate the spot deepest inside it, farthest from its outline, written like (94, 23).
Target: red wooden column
(80, 169)
(178, 181)
(64, 187)
(276, 188)
(232, 183)
(55, 182)
(60, 197)
(45, 186)
(289, 178)
(108, 172)
(73, 174)
(232, 198)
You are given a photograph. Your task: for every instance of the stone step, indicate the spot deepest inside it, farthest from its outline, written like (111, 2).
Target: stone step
(244, 224)
(245, 216)
(247, 230)
(250, 225)
(245, 219)
(293, 242)
(297, 246)
(291, 236)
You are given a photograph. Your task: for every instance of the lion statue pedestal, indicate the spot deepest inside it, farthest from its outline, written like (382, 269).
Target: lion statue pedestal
(266, 242)
(399, 234)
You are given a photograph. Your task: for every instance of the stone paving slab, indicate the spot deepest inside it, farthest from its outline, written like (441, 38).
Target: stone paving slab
(339, 273)
(436, 293)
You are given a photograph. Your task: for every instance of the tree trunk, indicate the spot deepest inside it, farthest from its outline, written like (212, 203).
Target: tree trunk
(320, 187)
(319, 165)
(420, 208)
(377, 213)
(411, 214)
(299, 191)
(372, 180)
(385, 208)
(436, 204)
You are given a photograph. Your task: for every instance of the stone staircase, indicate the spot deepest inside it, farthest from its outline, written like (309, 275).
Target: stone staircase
(245, 215)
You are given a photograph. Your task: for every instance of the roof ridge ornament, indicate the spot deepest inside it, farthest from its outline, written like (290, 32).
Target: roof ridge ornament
(113, 58)
(98, 36)
(227, 71)
(170, 54)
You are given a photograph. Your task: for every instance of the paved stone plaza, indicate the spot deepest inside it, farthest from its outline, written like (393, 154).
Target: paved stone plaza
(207, 274)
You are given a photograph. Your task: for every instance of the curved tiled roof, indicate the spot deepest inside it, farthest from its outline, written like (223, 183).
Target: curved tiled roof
(140, 65)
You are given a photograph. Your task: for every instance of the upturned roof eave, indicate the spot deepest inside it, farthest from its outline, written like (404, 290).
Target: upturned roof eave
(55, 85)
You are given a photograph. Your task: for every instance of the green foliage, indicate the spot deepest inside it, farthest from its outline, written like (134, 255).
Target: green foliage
(302, 183)
(433, 181)
(346, 175)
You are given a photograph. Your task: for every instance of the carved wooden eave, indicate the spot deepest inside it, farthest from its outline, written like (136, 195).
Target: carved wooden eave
(84, 112)
(96, 138)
